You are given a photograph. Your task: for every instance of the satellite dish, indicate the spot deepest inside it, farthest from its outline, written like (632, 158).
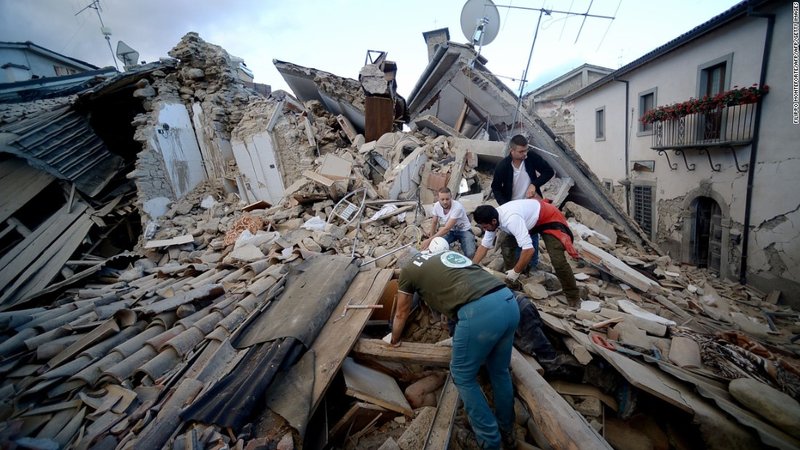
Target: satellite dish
(480, 21)
(127, 55)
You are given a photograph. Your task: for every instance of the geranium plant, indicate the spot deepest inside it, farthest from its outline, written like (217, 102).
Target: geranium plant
(736, 96)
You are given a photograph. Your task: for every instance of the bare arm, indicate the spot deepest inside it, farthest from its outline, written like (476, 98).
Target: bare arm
(401, 314)
(524, 258)
(480, 253)
(446, 228)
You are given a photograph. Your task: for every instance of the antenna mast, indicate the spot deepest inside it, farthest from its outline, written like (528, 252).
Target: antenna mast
(543, 11)
(95, 5)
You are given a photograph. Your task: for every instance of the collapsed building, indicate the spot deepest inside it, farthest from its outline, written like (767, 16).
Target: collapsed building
(265, 230)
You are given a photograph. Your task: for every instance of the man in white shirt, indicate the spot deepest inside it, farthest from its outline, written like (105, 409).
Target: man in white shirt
(519, 176)
(522, 219)
(450, 221)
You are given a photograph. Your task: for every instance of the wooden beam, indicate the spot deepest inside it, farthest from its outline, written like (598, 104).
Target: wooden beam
(559, 423)
(337, 338)
(442, 426)
(616, 267)
(457, 168)
(407, 353)
(461, 117)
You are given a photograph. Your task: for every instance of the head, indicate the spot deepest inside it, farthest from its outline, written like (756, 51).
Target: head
(438, 245)
(486, 217)
(445, 197)
(518, 148)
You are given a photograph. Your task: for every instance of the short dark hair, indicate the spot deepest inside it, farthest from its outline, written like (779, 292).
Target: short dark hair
(519, 140)
(445, 190)
(484, 214)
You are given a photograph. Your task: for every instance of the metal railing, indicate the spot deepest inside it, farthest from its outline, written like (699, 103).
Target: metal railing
(723, 127)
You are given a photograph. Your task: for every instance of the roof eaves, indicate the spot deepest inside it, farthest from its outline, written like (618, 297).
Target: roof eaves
(39, 49)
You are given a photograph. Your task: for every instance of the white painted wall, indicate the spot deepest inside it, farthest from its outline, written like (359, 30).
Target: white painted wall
(175, 140)
(775, 218)
(255, 157)
(774, 250)
(605, 157)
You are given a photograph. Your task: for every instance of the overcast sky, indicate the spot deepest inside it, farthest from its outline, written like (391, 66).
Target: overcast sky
(334, 35)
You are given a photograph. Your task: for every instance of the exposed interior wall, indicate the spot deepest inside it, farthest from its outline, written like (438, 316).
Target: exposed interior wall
(185, 132)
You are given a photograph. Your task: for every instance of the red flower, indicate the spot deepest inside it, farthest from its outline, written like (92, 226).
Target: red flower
(736, 96)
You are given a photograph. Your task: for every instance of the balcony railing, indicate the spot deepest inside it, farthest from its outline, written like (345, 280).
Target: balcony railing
(727, 126)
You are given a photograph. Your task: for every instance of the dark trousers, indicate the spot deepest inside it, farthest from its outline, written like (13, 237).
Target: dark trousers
(558, 257)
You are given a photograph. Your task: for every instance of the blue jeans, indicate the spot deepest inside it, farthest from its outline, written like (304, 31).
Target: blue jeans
(465, 238)
(485, 334)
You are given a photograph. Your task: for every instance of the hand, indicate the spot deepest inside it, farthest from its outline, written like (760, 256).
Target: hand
(424, 245)
(512, 275)
(531, 192)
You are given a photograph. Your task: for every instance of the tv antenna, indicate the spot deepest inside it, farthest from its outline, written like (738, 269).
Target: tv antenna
(480, 23)
(95, 5)
(542, 12)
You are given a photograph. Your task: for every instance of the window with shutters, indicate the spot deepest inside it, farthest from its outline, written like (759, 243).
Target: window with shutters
(643, 207)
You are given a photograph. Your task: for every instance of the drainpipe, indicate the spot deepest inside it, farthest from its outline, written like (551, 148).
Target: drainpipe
(627, 137)
(754, 148)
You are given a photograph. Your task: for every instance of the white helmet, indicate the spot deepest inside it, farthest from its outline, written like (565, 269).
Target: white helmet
(438, 245)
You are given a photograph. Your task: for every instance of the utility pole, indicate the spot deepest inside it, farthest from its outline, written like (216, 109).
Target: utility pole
(95, 5)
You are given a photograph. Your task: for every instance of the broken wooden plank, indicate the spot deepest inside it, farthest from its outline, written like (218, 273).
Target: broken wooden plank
(49, 263)
(534, 363)
(375, 387)
(654, 328)
(585, 390)
(456, 171)
(347, 127)
(559, 423)
(356, 418)
(406, 353)
(391, 214)
(21, 255)
(615, 266)
(442, 426)
(21, 184)
(436, 125)
(578, 350)
(337, 338)
(178, 240)
(773, 297)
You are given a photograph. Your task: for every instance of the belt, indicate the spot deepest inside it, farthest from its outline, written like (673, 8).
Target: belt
(490, 291)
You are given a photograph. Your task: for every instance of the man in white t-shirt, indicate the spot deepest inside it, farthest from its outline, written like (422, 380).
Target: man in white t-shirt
(450, 221)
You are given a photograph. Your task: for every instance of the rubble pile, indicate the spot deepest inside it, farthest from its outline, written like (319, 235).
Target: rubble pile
(649, 357)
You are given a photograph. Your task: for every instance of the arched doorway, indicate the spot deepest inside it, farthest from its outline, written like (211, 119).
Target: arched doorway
(706, 241)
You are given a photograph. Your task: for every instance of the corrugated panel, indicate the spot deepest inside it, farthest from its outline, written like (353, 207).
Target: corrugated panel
(62, 143)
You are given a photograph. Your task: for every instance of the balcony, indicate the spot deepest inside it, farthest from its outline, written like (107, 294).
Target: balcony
(725, 126)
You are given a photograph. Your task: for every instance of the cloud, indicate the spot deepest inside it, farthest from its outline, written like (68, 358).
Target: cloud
(334, 35)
